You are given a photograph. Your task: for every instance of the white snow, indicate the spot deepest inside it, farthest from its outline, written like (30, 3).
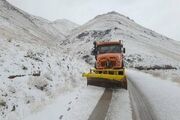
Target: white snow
(77, 104)
(65, 26)
(120, 107)
(58, 73)
(163, 96)
(30, 50)
(171, 75)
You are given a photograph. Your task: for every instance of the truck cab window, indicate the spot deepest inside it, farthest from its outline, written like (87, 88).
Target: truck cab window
(109, 49)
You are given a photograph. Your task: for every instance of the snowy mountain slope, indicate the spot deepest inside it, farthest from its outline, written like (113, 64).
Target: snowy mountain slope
(17, 23)
(32, 75)
(33, 69)
(144, 47)
(46, 25)
(64, 25)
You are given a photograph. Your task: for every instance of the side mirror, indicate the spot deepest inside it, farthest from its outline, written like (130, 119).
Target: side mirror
(124, 50)
(93, 52)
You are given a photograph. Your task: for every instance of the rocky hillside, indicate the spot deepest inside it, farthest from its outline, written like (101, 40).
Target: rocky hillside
(144, 47)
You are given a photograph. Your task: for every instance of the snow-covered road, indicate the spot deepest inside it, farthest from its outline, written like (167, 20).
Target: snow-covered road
(101, 109)
(140, 108)
(161, 96)
(80, 103)
(120, 107)
(77, 104)
(151, 98)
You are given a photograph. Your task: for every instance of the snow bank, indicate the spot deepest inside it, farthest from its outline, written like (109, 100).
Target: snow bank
(171, 75)
(33, 75)
(162, 96)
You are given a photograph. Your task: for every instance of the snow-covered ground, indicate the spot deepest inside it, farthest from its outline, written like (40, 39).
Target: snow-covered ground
(77, 104)
(33, 69)
(162, 96)
(33, 75)
(120, 107)
(171, 75)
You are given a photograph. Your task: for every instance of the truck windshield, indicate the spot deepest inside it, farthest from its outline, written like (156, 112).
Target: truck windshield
(109, 49)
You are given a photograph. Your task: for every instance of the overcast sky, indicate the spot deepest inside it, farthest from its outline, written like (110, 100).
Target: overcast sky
(163, 16)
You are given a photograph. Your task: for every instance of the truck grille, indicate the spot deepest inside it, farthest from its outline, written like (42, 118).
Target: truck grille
(108, 64)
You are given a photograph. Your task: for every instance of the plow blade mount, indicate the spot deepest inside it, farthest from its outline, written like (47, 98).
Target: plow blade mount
(108, 78)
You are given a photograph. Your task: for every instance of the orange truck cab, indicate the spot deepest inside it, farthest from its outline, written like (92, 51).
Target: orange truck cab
(109, 69)
(109, 55)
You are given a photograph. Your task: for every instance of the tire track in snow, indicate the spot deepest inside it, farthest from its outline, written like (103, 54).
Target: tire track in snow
(101, 109)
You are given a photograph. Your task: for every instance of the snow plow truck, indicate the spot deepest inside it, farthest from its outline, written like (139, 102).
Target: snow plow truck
(109, 71)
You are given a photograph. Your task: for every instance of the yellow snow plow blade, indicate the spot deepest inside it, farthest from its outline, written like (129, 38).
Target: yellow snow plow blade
(106, 78)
